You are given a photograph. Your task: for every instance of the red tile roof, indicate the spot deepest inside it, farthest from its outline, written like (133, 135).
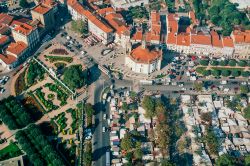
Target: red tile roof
(172, 29)
(41, 9)
(79, 9)
(106, 11)
(16, 48)
(201, 38)
(138, 35)
(216, 40)
(117, 22)
(4, 39)
(241, 36)
(193, 18)
(5, 19)
(25, 29)
(155, 17)
(183, 39)
(7, 59)
(142, 55)
(4, 29)
(228, 42)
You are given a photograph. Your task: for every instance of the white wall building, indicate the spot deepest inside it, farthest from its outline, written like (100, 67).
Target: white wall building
(128, 3)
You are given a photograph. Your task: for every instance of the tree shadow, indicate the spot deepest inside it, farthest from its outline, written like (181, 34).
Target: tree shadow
(98, 153)
(93, 74)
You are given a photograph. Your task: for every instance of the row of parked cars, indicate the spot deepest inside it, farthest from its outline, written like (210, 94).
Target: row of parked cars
(3, 81)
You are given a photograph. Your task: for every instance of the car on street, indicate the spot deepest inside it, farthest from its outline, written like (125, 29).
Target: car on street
(104, 116)
(2, 90)
(103, 129)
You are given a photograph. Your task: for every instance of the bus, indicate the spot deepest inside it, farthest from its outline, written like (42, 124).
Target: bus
(107, 158)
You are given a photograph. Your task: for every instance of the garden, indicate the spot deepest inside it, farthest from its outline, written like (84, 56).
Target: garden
(75, 118)
(48, 104)
(10, 151)
(61, 121)
(35, 73)
(20, 85)
(53, 59)
(61, 94)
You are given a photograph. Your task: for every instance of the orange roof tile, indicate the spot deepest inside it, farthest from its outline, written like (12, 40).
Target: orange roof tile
(228, 42)
(172, 23)
(7, 59)
(25, 29)
(138, 35)
(216, 40)
(201, 38)
(105, 11)
(4, 39)
(117, 22)
(241, 36)
(155, 17)
(5, 19)
(193, 18)
(42, 9)
(4, 29)
(171, 39)
(142, 55)
(16, 48)
(183, 39)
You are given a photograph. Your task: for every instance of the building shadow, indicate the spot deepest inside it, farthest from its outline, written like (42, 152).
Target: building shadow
(98, 153)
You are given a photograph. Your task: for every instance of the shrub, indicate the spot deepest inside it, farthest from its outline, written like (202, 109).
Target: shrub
(236, 73)
(225, 73)
(214, 63)
(232, 62)
(245, 73)
(242, 63)
(223, 63)
(204, 62)
(216, 73)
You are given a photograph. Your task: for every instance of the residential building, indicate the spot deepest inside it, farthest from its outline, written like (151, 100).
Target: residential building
(96, 26)
(125, 4)
(142, 59)
(241, 40)
(27, 34)
(13, 54)
(45, 14)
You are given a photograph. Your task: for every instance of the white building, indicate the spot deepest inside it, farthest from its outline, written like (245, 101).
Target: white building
(143, 60)
(128, 3)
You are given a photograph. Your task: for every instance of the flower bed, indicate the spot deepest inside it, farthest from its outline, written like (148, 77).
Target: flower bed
(59, 51)
(58, 58)
(61, 95)
(75, 119)
(61, 121)
(47, 103)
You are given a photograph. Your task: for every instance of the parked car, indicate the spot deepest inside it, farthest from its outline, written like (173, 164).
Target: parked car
(2, 90)
(104, 116)
(103, 129)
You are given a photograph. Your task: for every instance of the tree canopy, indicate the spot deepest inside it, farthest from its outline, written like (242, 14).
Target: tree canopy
(148, 104)
(74, 77)
(24, 3)
(225, 160)
(79, 26)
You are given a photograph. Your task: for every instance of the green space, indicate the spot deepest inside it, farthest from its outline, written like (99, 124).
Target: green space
(138, 12)
(20, 84)
(61, 120)
(38, 149)
(87, 154)
(60, 65)
(13, 114)
(79, 26)
(53, 59)
(221, 71)
(74, 77)
(61, 94)
(75, 118)
(35, 72)
(47, 103)
(10, 151)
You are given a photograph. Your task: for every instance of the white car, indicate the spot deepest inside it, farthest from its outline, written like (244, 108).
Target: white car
(88, 137)
(2, 90)
(244, 83)
(104, 116)
(103, 129)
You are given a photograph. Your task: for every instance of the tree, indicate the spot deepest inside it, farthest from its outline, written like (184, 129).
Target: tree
(198, 86)
(216, 73)
(73, 76)
(244, 89)
(206, 73)
(247, 160)
(211, 140)
(138, 151)
(24, 3)
(232, 62)
(214, 63)
(225, 160)
(242, 63)
(125, 106)
(148, 104)
(206, 117)
(245, 73)
(126, 143)
(165, 162)
(236, 73)
(223, 63)
(225, 73)
(204, 62)
(89, 110)
(247, 112)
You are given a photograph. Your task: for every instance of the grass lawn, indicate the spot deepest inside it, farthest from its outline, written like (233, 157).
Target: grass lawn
(10, 151)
